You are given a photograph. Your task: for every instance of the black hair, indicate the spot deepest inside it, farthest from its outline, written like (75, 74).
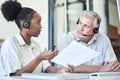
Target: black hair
(12, 10)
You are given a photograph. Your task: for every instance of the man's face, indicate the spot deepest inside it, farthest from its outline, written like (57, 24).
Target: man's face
(85, 28)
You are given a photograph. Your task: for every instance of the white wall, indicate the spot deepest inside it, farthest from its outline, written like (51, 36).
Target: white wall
(9, 28)
(98, 6)
(113, 15)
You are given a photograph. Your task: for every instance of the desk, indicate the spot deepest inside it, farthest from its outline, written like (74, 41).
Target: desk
(65, 76)
(105, 78)
(13, 78)
(93, 78)
(19, 78)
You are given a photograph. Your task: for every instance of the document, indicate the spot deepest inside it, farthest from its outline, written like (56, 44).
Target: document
(75, 54)
(55, 76)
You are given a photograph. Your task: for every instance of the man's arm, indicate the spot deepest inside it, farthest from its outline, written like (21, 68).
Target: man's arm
(107, 67)
(86, 69)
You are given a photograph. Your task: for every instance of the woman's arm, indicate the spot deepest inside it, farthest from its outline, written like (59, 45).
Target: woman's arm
(46, 55)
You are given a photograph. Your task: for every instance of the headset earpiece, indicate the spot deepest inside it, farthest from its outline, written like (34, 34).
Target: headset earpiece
(78, 21)
(26, 24)
(96, 30)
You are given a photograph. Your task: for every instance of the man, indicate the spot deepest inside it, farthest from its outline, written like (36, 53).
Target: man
(87, 33)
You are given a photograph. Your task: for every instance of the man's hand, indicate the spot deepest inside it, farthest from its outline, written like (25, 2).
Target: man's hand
(116, 67)
(110, 66)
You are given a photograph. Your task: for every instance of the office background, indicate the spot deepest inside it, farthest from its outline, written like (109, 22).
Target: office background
(60, 16)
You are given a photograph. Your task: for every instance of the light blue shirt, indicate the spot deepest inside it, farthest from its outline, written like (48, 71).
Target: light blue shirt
(98, 42)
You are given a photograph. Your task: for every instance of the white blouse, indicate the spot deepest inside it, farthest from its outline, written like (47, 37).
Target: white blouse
(15, 54)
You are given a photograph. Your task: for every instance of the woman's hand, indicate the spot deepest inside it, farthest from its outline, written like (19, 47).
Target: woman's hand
(68, 69)
(47, 55)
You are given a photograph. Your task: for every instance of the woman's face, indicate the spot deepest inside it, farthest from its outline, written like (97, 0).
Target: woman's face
(35, 25)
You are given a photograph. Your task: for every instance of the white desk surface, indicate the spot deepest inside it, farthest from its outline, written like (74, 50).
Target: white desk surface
(93, 78)
(105, 78)
(19, 78)
(12, 78)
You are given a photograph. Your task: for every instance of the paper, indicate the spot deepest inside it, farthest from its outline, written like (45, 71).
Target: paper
(75, 54)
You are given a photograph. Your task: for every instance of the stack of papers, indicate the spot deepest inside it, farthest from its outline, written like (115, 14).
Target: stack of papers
(75, 54)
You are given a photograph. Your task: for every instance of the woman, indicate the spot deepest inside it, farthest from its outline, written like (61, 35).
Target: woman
(20, 53)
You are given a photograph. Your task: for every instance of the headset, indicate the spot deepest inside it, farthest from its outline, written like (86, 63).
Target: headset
(96, 29)
(26, 22)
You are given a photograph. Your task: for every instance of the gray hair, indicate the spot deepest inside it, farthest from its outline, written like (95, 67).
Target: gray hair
(93, 16)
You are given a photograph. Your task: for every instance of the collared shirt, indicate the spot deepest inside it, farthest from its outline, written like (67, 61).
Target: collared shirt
(98, 42)
(16, 54)
(2, 73)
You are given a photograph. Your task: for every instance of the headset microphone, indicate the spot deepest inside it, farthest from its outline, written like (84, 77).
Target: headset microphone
(87, 35)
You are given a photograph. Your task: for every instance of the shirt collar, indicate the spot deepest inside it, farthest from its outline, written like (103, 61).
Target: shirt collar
(93, 39)
(20, 39)
(22, 42)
